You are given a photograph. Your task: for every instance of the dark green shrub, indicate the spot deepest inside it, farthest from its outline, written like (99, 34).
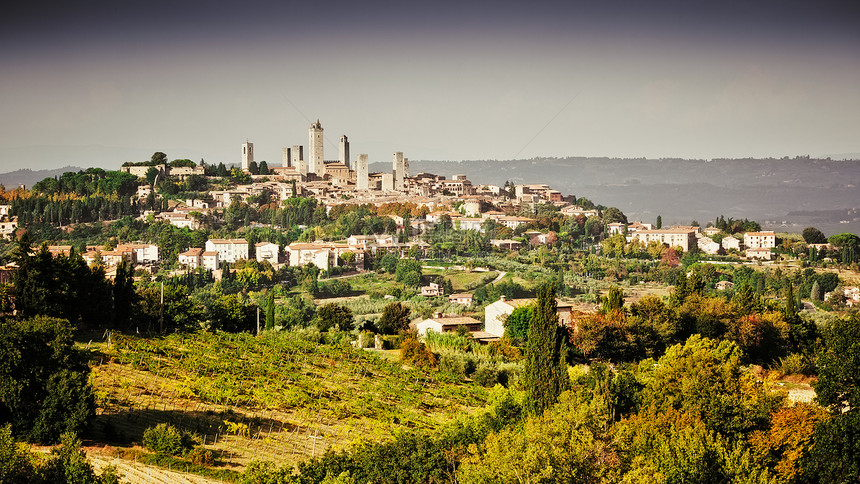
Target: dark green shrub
(452, 363)
(486, 376)
(164, 439)
(201, 456)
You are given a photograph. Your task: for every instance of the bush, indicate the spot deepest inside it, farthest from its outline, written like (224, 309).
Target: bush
(796, 364)
(391, 342)
(452, 363)
(413, 352)
(486, 375)
(164, 439)
(505, 349)
(510, 374)
(201, 456)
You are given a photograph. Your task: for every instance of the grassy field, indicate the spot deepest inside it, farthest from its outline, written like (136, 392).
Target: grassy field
(274, 397)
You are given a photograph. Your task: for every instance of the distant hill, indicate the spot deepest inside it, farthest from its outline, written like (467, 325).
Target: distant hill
(29, 177)
(766, 190)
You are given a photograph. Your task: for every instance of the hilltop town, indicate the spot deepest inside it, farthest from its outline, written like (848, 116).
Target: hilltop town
(241, 322)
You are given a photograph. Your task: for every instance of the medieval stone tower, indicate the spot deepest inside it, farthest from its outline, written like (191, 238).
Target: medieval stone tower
(399, 170)
(361, 175)
(315, 149)
(343, 152)
(247, 155)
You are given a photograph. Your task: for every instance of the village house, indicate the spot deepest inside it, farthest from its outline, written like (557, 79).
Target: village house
(179, 219)
(191, 258)
(229, 250)
(432, 290)
(506, 244)
(724, 285)
(461, 298)
(211, 260)
(448, 324)
(731, 243)
(496, 313)
(267, 251)
(762, 253)
(760, 240)
(708, 246)
(685, 238)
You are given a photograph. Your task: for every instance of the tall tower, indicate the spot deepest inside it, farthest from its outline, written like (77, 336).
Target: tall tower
(399, 170)
(298, 159)
(315, 149)
(343, 152)
(247, 155)
(361, 175)
(285, 157)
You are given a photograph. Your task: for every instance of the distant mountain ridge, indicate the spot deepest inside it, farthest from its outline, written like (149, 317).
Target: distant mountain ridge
(28, 177)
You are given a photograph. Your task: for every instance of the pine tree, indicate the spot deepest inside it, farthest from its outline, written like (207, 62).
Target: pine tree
(659, 224)
(545, 375)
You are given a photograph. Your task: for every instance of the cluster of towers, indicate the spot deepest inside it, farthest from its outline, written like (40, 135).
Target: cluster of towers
(316, 167)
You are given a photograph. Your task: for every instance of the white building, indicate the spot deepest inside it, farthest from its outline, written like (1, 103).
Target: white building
(266, 251)
(191, 258)
(210, 260)
(675, 237)
(447, 324)
(760, 240)
(229, 250)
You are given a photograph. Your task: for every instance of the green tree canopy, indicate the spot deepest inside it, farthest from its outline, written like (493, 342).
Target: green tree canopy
(812, 235)
(517, 323)
(394, 319)
(44, 390)
(333, 315)
(545, 373)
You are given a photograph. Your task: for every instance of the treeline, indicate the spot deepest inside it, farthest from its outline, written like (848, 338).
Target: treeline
(89, 182)
(59, 210)
(765, 330)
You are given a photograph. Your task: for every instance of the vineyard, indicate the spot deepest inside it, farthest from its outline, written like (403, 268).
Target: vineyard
(278, 397)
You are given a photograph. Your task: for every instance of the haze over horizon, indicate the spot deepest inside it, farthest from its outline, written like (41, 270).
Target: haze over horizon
(98, 83)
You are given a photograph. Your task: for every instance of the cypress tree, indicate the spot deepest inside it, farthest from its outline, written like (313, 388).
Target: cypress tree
(545, 375)
(270, 311)
(815, 292)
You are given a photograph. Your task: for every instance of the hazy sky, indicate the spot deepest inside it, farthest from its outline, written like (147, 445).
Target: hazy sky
(96, 83)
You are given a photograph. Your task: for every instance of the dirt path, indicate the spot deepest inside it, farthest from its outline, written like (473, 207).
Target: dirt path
(136, 473)
(499, 277)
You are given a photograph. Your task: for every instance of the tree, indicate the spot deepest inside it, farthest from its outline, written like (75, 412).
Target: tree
(812, 235)
(253, 168)
(706, 378)
(545, 373)
(44, 390)
(517, 323)
(264, 168)
(614, 300)
(151, 173)
(159, 158)
(659, 224)
(835, 455)
(270, 311)
(614, 215)
(838, 366)
(394, 319)
(333, 315)
(815, 291)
